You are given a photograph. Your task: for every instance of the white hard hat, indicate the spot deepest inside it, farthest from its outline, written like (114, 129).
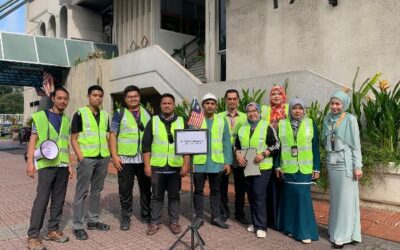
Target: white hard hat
(209, 96)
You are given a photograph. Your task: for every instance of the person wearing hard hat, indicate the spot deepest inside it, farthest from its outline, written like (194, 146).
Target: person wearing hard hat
(89, 140)
(213, 165)
(53, 174)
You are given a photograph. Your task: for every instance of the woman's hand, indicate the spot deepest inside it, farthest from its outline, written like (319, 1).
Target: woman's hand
(258, 158)
(279, 173)
(358, 174)
(315, 175)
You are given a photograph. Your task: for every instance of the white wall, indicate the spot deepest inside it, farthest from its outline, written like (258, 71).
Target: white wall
(313, 35)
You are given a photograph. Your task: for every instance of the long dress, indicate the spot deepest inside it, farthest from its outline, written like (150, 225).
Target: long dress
(296, 212)
(344, 211)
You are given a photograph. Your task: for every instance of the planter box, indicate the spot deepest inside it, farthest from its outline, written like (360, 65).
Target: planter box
(385, 192)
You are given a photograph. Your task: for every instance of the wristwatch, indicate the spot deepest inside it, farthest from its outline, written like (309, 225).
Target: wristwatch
(264, 154)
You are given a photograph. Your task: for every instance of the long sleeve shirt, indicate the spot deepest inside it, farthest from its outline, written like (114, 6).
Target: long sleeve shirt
(210, 166)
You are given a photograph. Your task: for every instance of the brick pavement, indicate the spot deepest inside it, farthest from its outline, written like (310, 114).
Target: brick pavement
(17, 192)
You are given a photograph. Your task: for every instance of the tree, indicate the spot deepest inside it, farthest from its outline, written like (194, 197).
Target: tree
(11, 100)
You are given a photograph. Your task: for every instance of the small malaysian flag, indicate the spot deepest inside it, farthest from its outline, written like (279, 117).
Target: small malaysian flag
(196, 115)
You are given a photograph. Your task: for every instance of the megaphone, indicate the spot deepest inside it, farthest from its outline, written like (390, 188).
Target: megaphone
(47, 150)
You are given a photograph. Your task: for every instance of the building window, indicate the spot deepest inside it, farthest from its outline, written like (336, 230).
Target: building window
(223, 67)
(222, 24)
(183, 16)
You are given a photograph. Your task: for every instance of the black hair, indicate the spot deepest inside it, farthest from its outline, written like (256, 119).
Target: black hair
(232, 91)
(93, 88)
(53, 94)
(131, 88)
(167, 95)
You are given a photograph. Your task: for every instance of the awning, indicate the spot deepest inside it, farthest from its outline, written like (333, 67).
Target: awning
(24, 58)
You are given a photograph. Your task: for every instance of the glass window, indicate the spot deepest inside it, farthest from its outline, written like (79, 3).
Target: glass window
(222, 24)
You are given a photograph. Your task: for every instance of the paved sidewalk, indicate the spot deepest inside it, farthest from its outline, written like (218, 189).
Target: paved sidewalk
(17, 192)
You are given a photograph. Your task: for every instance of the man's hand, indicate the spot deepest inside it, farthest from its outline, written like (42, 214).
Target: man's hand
(117, 162)
(241, 160)
(184, 170)
(227, 169)
(147, 170)
(315, 175)
(72, 172)
(30, 169)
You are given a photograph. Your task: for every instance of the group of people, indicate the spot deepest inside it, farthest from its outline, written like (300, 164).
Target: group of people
(285, 141)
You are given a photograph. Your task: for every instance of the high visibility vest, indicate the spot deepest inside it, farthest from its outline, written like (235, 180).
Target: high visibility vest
(266, 112)
(163, 152)
(304, 160)
(240, 120)
(129, 133)
(217, 147)
(45, 130)
(93, 138)
(256, 141)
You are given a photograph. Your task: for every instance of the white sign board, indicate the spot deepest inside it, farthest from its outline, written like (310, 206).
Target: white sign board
(191, 141)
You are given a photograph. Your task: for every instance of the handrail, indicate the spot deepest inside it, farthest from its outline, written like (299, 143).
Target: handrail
(184, 46)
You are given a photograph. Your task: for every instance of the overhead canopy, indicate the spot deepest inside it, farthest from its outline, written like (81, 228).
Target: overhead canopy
(24, 58)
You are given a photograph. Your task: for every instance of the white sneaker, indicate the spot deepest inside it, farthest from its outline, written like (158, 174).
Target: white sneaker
(261, 234)
(307, 241)
(250, 228)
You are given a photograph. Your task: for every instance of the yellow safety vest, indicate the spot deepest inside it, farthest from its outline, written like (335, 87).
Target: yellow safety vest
(304, 160)
(44, 130)
(256, 141)
(163, 152)
(93, 138)
(240, 120)
(217, 147)
(129, 133)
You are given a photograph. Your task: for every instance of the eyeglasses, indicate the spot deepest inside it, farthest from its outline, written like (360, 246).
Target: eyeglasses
(170, 138)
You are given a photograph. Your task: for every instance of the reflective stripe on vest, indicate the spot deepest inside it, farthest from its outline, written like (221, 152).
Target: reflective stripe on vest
(62, 139)
(217, 147)
(163, 152)
(304, 160)
(256, 141)
(129, 133)
(266, 112)
(93, 138)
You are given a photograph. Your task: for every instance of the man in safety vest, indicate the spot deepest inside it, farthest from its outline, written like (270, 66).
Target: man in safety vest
(126, 134)
(235, 120)
(213, 165)
(162, 165)
(53, 174)
(89, 140)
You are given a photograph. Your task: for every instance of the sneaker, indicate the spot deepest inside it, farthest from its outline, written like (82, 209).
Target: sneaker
(56, 236)
(175, 228)
(261, 233)
(338, 245)
(125, 224)
(80, 234)
(152, 229)
(97, 226)
(35, 244)
(250, 228)
(306, 241)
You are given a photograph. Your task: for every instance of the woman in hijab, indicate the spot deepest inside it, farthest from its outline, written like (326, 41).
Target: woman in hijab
(299, 164)
(258, 135)
(272, 114)
(342, 142)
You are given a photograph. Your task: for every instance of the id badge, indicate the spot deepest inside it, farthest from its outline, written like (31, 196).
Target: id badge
(294, 151)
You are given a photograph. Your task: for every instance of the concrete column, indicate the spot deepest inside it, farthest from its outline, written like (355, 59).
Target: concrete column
(211, 48)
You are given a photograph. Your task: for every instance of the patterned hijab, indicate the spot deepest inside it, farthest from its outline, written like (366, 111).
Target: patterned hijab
(253, 123)
(277, 110)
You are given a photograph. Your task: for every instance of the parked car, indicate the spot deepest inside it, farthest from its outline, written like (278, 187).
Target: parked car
(5, 129)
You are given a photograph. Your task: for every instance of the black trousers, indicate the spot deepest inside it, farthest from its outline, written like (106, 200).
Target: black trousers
(258, 198)
(240, 185)
(126, 178)
(214, 180)
(160, 183)
(52, 182)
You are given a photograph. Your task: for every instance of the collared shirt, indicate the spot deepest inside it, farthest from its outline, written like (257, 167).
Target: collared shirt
(210, 166)
(232, 118)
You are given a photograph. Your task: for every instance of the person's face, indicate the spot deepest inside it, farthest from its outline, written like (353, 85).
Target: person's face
(210, 106)
(252, 113)
(132, 99)
(96, 98)
(60, 100)
(335, 106)
(297, 111)
(232, 101)
(167, 105)
(276, 97)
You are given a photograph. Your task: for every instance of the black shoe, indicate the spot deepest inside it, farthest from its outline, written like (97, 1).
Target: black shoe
(242, 220)
(219, 223)
(145, 220)
(336, 246)
(224, 217)
(125, 223)
(198, 222)
(98, 226)
(80, 234)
